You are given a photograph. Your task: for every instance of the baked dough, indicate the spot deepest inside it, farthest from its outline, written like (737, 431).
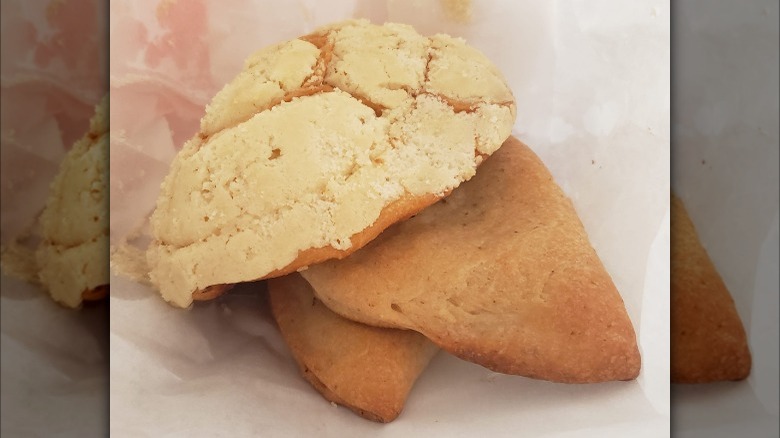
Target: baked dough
(500, 273)
(708, 341)
(367, 369)
(72, 258)
(318, 145)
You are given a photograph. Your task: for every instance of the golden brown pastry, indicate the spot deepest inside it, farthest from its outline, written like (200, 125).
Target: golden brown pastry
(316, 147)
(500, 273)
(708, 342)
(367, 369)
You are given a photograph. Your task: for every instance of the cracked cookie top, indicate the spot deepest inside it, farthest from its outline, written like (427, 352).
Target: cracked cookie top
(318, 140)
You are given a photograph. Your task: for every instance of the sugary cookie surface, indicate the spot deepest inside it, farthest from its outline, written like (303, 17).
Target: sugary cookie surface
(318, 140)
(71, 259)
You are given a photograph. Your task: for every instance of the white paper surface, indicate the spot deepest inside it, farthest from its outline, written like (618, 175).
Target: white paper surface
(592, 86)
(54, 365)
(725, 171)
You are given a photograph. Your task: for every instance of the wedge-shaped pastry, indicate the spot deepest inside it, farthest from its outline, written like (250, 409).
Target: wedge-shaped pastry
(708, 340)
(367, 369)
(500, 273)
(72, 258)
(318, 145)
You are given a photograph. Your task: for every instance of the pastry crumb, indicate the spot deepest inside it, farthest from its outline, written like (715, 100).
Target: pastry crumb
(130, 261)
(18, 261)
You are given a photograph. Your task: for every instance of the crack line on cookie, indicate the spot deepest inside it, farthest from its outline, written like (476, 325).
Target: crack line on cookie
(317, 82)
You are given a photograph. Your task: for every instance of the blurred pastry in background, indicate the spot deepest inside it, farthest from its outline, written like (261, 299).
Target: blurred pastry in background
(71, 258)
(708, 341)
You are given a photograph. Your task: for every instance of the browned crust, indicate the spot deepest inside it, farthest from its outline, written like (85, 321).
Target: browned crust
(333, 397)
(367, 369)
(302, 92)
(96, 294)
(501, 274)
(319, 39)
(211, 292)
(708, 341)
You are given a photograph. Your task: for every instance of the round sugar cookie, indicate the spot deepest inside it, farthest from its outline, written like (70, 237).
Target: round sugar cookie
(317, 146)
